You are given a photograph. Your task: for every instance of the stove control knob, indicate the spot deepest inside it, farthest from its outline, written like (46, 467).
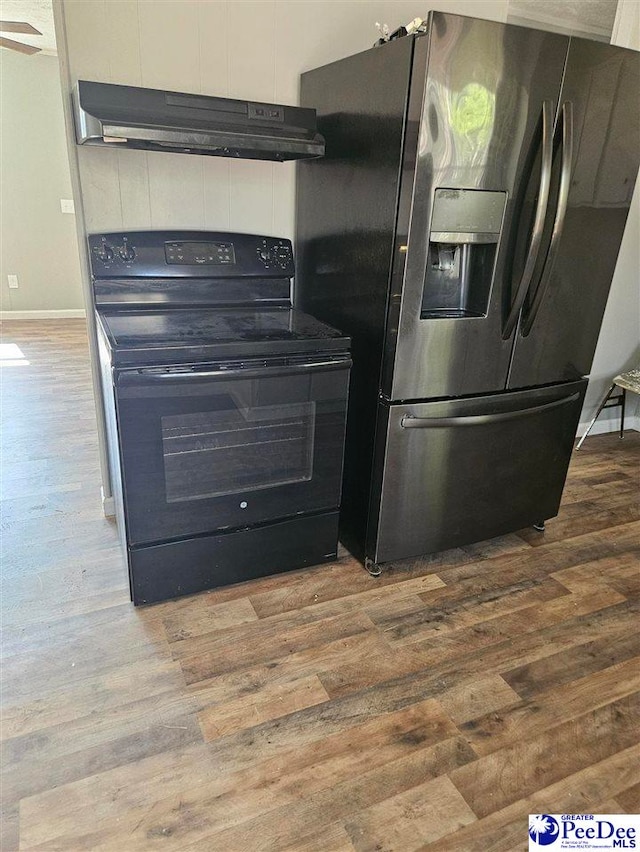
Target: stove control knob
(105, 253)
(283, 256)
(264, 255)
(127, 252)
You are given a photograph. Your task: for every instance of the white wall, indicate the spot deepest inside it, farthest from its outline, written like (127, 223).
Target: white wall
(253, 49)
(38, 241)
(239, 48)
(619, 342)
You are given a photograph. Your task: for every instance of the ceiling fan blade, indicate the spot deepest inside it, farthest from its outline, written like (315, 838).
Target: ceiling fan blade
(18, 27)
(18, 46)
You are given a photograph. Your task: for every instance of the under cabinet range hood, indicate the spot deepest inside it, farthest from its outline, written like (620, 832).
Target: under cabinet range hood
(155, 120)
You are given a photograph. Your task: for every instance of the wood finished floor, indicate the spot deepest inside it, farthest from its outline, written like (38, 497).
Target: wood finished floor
(318, 711)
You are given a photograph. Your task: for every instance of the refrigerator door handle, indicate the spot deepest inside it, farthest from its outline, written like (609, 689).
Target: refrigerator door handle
(561, 212)
(408, 421)
(538, 225)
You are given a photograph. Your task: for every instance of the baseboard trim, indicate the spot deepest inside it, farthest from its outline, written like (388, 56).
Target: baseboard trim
(604, 425)
(75, 313)
(108, 505)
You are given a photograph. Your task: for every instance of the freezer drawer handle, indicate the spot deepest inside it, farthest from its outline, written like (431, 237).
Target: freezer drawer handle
(410, 422)
(538, 225)
(561, 212)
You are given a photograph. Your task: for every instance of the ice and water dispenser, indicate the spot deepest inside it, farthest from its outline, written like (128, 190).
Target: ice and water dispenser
(465, 229)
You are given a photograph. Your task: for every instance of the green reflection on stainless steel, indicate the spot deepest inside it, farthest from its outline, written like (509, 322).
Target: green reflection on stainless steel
(473, 114)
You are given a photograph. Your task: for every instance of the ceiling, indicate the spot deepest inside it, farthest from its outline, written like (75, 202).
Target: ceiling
(590, 18)
(593, 18)
(38, 13)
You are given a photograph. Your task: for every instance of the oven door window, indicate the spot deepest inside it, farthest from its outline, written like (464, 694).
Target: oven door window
(240, 447)
(202, 453)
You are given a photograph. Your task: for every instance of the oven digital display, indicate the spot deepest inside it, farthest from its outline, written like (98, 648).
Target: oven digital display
(199, 254)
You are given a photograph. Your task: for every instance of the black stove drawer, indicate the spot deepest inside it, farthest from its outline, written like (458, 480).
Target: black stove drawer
(163, 571)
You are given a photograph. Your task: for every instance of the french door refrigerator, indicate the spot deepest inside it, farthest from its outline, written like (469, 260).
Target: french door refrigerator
(463, 228)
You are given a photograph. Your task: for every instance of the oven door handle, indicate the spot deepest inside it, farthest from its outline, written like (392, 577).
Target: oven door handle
(138, 377)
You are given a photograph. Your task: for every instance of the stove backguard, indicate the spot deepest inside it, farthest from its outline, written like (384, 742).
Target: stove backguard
(179, 268)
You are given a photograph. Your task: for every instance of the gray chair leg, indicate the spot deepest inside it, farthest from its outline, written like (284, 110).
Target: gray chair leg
(600, 407)
(622, 402)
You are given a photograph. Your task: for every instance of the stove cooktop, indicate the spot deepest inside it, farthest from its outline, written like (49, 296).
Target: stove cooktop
(172, 336)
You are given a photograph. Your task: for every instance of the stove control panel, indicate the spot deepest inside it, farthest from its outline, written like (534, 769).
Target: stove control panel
(192, 254)
(199, 254)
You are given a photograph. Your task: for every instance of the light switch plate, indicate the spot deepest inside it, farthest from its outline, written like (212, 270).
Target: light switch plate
(66, 205)
(13, 282)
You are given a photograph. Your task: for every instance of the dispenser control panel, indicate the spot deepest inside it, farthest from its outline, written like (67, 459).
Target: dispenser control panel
(475, 213)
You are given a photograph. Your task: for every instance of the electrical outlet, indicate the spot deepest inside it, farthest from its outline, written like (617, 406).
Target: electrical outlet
(13, 282)
(66, 205)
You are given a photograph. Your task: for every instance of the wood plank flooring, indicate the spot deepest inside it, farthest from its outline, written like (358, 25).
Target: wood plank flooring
(317, 711)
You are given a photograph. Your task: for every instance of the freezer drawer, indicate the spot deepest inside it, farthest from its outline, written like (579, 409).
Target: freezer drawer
(465, 470)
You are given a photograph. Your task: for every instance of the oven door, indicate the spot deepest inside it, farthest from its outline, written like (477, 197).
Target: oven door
(210, 448)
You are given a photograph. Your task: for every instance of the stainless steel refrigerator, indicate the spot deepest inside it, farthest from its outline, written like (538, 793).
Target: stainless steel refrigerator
(463, 228)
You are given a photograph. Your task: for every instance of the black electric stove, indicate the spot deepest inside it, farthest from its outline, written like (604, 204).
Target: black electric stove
(225, 409)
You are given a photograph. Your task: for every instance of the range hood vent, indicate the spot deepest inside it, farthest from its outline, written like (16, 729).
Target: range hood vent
(155, 120)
